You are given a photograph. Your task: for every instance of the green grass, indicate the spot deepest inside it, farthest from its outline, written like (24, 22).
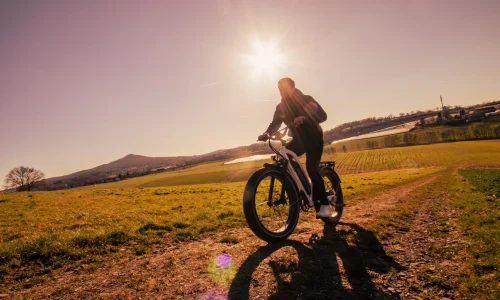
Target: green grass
(487, 181)
(480, 220)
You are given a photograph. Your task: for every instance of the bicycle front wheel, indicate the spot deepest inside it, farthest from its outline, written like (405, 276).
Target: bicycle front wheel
(271, 214)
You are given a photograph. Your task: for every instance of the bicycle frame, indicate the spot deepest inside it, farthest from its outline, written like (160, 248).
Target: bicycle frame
(284, 152)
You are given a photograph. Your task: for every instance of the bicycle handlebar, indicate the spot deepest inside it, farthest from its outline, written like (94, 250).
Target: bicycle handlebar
(277, 137)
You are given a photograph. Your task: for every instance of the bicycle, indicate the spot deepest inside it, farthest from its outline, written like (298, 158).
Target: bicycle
(276, 193)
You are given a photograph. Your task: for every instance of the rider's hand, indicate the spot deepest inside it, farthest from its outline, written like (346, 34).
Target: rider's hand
(298, 121)
(263, 137)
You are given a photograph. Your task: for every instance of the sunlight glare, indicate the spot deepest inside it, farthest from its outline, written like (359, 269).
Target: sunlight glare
(265, 59)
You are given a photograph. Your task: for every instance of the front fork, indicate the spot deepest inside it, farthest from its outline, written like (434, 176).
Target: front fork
(282, 199)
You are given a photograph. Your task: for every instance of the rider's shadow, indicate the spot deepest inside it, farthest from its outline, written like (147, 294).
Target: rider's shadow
(317, 274)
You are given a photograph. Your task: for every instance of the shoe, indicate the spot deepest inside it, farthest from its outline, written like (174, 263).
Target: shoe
(323, 212)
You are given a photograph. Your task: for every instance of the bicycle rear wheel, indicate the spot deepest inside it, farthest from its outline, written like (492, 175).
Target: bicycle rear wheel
(334, 194)
(270, 216)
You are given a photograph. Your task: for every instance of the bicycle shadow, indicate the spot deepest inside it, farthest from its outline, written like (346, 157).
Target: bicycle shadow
(317, 274)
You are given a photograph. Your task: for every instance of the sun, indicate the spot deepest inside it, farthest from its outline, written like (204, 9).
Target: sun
(265, 59)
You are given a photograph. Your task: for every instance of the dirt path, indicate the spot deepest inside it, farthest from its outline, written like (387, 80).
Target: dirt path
(318, 262)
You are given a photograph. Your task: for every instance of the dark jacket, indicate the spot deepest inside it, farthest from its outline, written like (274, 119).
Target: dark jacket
(293, 107)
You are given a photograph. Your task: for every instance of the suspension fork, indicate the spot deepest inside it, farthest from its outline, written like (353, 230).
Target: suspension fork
(284, 170)
(282, 167)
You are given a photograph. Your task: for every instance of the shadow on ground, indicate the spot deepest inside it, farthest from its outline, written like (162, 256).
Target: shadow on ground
(317, 274)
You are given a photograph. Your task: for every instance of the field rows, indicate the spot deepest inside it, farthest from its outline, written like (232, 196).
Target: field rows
(445, 154)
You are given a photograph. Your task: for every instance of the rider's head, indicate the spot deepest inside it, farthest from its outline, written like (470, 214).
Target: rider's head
(286, 86)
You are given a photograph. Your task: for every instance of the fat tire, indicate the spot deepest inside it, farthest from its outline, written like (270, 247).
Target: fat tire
(250, 212)
(339, 204)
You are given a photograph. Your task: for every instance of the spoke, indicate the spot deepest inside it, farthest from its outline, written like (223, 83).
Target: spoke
(279, 227)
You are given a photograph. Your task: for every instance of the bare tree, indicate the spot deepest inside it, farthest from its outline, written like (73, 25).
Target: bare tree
(23, 178)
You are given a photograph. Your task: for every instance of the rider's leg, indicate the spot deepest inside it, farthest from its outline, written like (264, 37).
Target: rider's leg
(296, 147)
(314, 150)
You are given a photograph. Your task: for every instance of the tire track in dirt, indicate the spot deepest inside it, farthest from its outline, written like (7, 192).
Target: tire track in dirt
(289, 270)
(428, 252)
(364, 211)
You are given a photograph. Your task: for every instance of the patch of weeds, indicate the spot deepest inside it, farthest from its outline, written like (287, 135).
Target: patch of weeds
(44, 250)
(169, 262)
(201, 216)
(88, 241)
(75, 226)
(181, 236)
(12, 237)
(207, 228)
(161, 192)
(116, 238)
(5, 257)
(224, 215)
(229, 240)
(150, 226)
(141, 250)
(180, 225)
(432, 280)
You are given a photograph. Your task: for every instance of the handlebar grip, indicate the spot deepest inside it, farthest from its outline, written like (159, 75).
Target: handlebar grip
(263, 137)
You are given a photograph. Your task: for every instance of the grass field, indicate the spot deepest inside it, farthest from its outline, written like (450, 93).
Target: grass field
(52, 229)
(477, 198)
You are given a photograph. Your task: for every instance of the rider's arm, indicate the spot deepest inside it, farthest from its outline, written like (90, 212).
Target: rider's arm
(277, 121)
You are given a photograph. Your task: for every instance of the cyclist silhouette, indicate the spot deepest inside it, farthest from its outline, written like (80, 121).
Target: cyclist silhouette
(302, 114)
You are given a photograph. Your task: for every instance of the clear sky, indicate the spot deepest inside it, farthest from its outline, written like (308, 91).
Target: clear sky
(83, 83)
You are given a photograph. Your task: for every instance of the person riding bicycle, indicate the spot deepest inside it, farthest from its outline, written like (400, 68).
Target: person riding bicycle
(302, 114)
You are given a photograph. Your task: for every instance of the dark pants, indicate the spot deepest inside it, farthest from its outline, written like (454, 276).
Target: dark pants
(312, 146)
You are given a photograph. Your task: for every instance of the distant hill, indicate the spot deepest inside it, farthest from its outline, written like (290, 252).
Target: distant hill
(137, 165)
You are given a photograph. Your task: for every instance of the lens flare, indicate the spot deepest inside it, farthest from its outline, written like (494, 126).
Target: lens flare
(214, 295)
(221, 268)
(223, 260)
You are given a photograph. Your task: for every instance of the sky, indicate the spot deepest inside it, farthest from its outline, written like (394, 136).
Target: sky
(84, 83)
